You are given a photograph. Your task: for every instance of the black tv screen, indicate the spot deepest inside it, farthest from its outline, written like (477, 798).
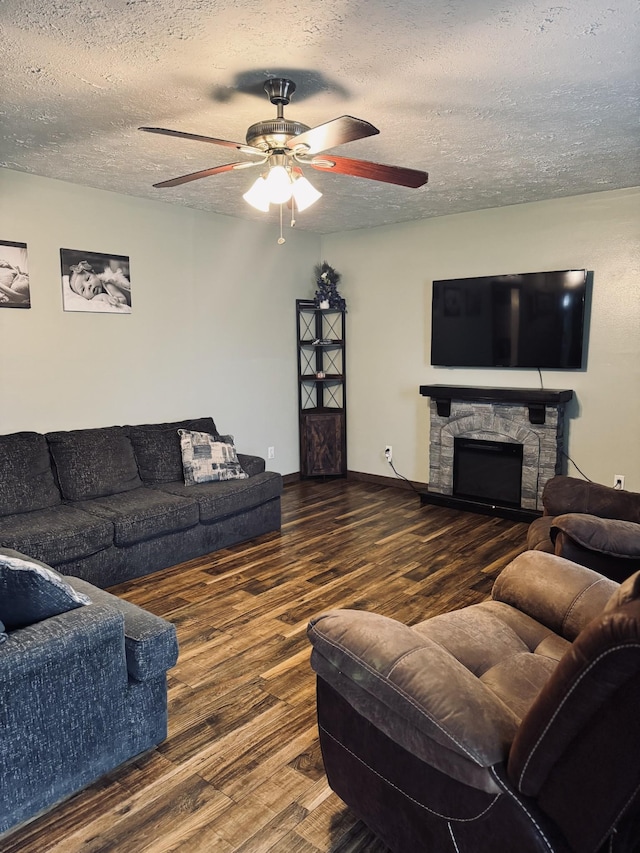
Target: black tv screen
(524, 320)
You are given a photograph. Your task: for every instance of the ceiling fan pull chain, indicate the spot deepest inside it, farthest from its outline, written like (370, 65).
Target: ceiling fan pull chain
(281, 239)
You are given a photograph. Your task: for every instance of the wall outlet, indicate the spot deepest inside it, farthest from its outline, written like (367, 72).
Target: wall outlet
(388, 452)
(618, 481)
(271, 453)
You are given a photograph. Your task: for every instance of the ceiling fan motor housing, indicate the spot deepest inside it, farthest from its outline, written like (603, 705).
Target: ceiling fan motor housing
(274, 133)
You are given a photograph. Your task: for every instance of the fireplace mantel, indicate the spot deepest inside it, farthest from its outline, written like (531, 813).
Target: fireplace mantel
(535, 399)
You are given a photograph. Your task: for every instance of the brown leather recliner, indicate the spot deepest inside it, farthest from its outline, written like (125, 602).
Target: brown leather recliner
(591, 524)
(510, 726)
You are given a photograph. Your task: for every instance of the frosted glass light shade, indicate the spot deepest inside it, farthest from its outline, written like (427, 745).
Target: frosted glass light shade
(258, 195)
(279, 185)
(304, 193)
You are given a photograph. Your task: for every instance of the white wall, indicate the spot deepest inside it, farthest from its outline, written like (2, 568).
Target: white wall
(213, 324)
(386, 279)
(212, 330)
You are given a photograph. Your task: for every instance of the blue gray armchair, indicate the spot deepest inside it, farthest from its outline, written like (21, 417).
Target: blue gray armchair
(83, 690)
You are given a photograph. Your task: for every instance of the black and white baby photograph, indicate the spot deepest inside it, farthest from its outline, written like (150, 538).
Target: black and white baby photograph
(14, 275)
(93, 281)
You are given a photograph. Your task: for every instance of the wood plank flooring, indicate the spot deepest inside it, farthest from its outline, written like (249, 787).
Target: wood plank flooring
(241, 771)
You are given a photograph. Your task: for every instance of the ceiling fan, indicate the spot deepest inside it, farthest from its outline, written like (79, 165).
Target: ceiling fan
(283, 145)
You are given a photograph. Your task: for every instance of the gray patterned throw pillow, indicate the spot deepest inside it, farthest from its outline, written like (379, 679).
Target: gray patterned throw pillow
(204, 459)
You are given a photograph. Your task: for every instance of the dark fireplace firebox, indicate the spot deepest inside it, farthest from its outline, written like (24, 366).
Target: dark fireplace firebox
(487, 471)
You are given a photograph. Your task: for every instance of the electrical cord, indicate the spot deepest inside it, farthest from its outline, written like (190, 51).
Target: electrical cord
(576, 467)
(401, 476)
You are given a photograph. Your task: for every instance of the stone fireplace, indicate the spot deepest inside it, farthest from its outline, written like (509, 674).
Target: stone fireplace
(531, 418)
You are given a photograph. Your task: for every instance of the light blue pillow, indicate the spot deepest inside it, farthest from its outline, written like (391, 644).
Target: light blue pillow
(31, 591)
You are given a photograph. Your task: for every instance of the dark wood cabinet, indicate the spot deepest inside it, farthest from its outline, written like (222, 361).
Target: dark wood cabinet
(321, 335)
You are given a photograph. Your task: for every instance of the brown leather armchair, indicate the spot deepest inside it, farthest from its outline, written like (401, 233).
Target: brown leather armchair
(591, 524)
(511, 726)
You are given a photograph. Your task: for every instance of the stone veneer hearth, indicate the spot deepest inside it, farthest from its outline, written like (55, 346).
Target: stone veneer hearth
(533, 418)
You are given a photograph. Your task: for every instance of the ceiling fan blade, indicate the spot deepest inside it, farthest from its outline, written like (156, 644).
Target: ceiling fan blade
(332, 133)
(239, 146)
(203, 173)
(374, 171)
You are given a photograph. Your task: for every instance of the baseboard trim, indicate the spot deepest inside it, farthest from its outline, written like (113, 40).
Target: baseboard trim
(361, 476)
(291, 478)
(380, 480)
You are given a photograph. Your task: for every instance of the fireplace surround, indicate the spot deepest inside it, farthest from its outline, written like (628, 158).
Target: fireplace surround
(534, 419)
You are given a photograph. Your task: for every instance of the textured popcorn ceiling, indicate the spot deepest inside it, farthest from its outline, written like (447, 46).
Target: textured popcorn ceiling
(500, 102)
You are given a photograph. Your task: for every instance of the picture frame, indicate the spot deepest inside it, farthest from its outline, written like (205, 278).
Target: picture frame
(95, 282)
(15, 290)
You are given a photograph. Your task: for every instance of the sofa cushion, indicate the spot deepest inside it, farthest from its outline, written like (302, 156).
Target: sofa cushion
(143, 513)
(220, 499)
(514, 662)
(57, 534)
(30, 591)
(91, 463)
(157, 448)
(205, 459)
(3, 633)
(25, 473)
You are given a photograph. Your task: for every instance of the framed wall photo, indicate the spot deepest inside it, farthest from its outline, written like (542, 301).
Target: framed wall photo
(96, 282)
(14, 275)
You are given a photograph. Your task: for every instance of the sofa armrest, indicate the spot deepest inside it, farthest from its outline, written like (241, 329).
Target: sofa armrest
(151, 645)
(556, 592)
(89, 633)
(412, 689)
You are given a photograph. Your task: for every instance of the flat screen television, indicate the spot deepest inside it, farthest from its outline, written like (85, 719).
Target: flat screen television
(525, 320)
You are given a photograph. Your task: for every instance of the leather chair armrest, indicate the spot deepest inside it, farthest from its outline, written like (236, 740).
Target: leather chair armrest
(606, 545)
(605, 535)
(539, 535)
(556, 592)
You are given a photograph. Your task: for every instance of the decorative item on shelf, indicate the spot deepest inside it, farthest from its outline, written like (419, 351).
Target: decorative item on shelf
(327, 280)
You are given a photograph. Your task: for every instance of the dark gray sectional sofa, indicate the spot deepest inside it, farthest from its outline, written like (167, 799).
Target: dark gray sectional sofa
(110, 504)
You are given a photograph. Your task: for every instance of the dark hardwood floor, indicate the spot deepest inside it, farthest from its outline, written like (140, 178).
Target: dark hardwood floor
(241, 771)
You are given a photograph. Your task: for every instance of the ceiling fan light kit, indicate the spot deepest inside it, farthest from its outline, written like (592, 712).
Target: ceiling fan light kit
(284, 146)
(280, 185)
